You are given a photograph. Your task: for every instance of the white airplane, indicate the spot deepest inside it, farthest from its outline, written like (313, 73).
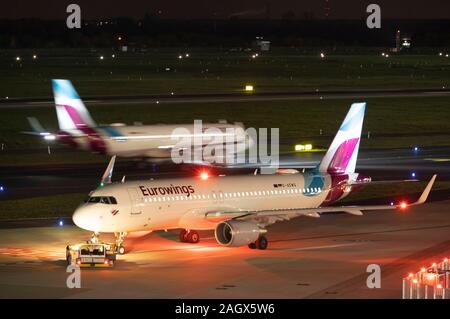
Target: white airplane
(238, 208)
(78, 129)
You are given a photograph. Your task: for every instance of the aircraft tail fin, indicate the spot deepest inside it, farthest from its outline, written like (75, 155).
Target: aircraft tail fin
(70, 109)
(343, 151)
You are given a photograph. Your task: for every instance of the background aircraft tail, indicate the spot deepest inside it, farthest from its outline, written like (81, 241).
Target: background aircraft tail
(343, 151)
(70, 109)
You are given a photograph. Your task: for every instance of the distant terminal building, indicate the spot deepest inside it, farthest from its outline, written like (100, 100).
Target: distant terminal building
(261, 44)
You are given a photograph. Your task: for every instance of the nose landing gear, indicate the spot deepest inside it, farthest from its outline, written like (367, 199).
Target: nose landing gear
(120, 237)
(94, 238)
(189, 236)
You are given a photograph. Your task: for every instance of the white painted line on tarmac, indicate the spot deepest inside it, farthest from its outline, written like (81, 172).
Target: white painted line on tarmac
(324, 247)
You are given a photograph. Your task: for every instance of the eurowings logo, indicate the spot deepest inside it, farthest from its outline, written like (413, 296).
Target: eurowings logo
(114, 212)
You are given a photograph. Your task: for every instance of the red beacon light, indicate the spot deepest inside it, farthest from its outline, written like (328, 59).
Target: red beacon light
(403, 205)
(204, 176)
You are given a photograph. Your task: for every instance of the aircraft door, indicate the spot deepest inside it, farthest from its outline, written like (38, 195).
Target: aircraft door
(136, 201)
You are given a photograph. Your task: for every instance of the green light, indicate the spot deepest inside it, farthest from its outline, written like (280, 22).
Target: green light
(102, 184)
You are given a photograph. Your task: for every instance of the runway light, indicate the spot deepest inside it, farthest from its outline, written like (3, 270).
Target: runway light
(322, 55)
(204, 176)
(249, 88)
(101, 57)
(187, 55)
(61, 223)
(34, 56)
(17, 58)
(180, 57)
(392, 203)
(383, 54)
(440, 53)
(303, 147)
(113, 56)
(299, 147)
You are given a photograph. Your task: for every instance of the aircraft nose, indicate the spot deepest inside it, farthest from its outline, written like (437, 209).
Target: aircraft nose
(86, 218)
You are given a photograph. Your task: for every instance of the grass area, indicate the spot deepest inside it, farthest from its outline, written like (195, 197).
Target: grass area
(64, 205)
(392, 122)
(40, 207)
(212, 71)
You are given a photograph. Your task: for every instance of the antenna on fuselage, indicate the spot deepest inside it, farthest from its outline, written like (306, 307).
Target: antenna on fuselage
(106, 177)
(123, 179)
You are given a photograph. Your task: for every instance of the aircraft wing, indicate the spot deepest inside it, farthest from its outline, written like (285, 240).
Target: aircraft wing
(268, 217)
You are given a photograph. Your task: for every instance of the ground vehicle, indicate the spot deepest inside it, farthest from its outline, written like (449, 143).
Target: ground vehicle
(91, 255)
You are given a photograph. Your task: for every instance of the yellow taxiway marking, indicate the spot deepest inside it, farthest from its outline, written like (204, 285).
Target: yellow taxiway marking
(438, 159)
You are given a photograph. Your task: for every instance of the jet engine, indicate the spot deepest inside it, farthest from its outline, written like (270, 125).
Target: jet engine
(235, 233)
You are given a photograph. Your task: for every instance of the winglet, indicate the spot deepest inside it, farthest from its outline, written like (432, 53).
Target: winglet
(106, 177)
(35, 125)
(425, 192)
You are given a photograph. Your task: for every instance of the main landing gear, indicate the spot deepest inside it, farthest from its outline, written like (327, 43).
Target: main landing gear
(261, 243)
(189, 236)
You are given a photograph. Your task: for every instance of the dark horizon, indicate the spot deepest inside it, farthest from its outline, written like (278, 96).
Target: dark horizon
(204, 9)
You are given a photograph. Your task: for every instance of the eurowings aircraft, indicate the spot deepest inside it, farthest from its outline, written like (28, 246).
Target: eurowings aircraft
(237, 208)
(78, 129)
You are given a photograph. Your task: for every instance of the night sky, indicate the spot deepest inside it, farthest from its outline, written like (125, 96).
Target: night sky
(223, 9)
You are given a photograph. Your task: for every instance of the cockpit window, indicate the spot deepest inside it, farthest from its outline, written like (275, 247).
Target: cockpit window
(102, 200)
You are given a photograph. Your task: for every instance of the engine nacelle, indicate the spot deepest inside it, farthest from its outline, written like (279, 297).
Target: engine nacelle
(235, 233)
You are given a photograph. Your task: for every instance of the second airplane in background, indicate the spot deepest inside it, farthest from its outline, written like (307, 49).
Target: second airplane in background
(78, 129)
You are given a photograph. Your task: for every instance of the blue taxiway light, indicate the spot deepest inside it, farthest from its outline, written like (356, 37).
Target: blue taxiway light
(2, 188)
(61, 223)
(415, 148)
(413, 174)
